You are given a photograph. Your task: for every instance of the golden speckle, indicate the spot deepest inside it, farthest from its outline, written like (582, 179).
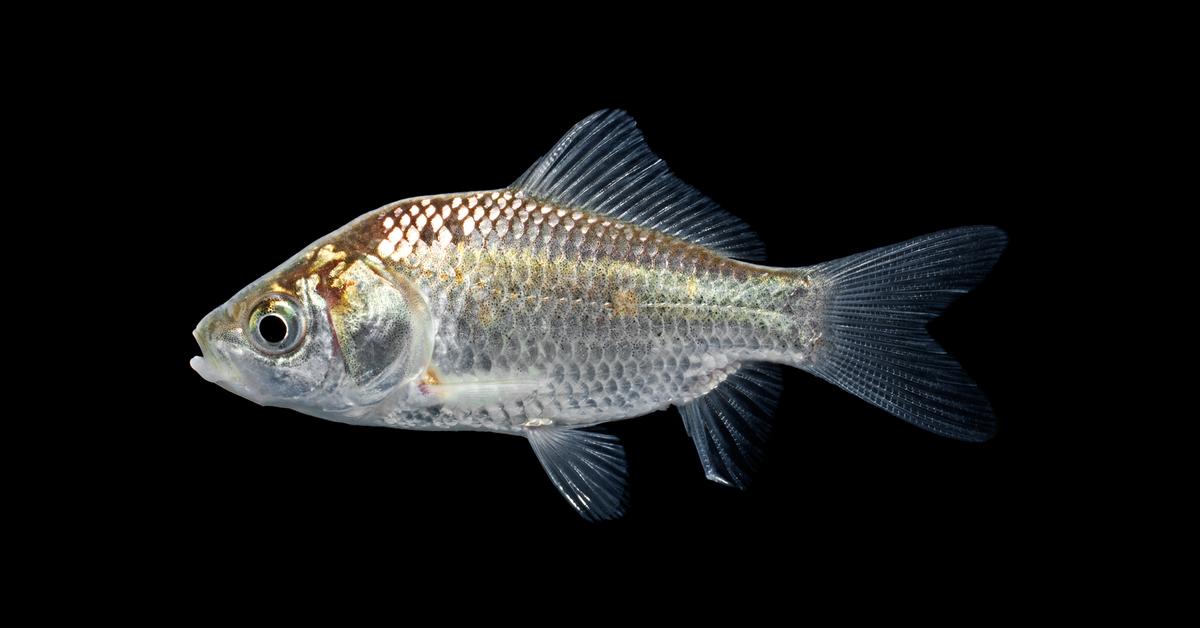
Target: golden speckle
(624, 303)
(325, 255)
(458, 276)
(486, 314)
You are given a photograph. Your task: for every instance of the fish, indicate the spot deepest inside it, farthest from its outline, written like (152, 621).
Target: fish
(597, 287)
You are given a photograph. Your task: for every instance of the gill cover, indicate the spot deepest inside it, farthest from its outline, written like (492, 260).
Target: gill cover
(383, 328)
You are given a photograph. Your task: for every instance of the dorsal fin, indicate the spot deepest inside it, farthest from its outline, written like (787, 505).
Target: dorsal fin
(603, 165)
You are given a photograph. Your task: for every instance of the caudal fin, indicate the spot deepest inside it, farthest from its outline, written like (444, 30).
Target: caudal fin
(874, 342)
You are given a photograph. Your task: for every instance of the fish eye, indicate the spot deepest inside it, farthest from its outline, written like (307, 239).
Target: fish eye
(275, 325)
(272, 328)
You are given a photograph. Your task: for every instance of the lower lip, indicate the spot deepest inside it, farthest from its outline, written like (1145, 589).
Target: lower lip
(200, 366)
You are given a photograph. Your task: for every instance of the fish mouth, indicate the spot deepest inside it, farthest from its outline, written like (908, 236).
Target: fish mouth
(213, 367)
(200, 366)
(206, 368)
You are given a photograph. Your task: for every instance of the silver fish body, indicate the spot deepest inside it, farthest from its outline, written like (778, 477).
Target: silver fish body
(557, 316)
(597, 287)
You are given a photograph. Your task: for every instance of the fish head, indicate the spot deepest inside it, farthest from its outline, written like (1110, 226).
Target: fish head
(326, 333)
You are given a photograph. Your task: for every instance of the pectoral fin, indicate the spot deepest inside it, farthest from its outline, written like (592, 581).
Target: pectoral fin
(477, 392)
(587, 467)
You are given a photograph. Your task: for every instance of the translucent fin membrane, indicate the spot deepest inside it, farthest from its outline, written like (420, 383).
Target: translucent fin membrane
(603, 165)
(730, 424)
(587, 467)
(874, 342)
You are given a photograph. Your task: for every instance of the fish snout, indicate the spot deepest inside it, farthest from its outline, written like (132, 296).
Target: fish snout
(209, 364)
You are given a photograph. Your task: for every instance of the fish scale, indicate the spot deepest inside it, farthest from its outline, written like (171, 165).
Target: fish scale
(613, 319)
(598, 287)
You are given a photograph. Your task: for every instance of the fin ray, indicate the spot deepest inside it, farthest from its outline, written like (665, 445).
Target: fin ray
(730, 424)
(874, 342)
(587, 467)
(475, 392)
(604, 165)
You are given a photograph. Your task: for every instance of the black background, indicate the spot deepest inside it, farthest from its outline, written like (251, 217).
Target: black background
(824, 155)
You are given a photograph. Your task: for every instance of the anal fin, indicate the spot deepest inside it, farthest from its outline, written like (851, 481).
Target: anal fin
(587, 467)
(730, 424)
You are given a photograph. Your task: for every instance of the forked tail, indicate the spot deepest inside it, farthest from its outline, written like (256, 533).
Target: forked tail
(874, 342)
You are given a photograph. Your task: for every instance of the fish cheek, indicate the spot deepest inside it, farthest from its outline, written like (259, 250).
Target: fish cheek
(382, 325)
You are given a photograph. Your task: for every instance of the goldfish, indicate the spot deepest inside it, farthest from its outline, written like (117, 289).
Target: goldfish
(597, 287)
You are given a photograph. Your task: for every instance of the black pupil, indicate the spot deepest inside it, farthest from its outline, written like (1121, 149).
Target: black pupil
(272, 328)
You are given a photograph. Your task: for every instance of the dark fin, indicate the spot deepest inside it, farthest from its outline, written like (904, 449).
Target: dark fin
(587, 467)
(603, 165)
(730, 424)
(873, 342)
